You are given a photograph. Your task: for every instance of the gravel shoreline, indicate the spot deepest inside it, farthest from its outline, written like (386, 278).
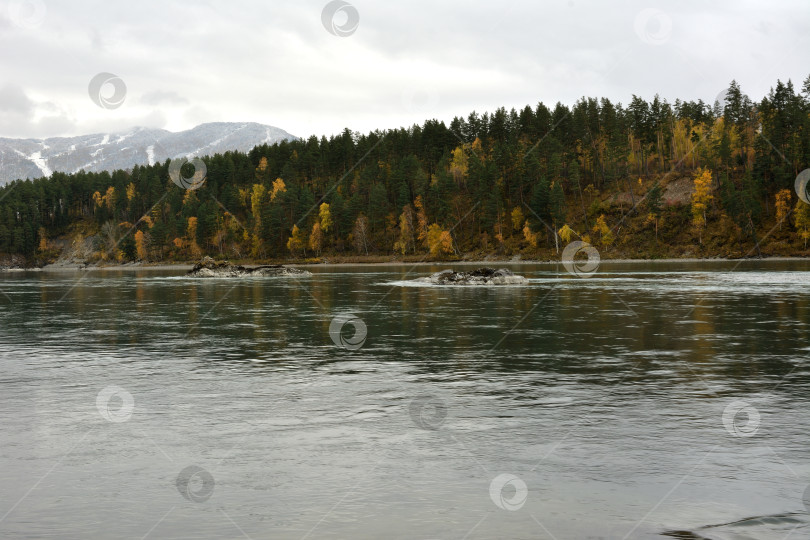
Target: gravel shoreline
(489, 262)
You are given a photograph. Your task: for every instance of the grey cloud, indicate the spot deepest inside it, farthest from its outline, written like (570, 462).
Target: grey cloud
(23, 117)
(273, 62)
(160, 97)
(13, 99)
(152, 119)
(96, 41)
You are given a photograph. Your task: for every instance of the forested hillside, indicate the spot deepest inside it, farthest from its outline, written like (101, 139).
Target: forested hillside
(507, 183)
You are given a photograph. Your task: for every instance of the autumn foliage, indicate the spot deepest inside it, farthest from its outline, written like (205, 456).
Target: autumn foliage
(511, 182)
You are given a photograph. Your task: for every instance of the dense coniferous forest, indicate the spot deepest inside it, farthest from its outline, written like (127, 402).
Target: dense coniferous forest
(519, 182)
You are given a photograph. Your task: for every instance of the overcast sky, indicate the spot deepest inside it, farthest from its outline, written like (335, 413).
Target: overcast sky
(276, 62)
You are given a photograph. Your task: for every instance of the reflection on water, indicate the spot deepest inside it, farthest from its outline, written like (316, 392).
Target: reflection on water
(604, 396)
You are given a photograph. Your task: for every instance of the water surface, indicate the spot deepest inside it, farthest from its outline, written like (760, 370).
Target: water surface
(604, 396)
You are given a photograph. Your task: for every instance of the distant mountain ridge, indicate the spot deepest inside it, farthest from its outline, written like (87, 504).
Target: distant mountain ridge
(34, 158)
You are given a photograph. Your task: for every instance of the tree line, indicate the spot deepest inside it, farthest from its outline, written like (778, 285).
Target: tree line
(505, 182)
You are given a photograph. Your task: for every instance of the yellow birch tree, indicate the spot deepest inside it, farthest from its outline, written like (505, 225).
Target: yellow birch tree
(782, 206)
(701, 198)
(140, 245)
(316, 238)
(295, 243)
(802, 213)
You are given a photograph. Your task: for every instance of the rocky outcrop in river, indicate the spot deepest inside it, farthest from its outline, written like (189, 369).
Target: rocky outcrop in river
(208, 267)
(481, 276)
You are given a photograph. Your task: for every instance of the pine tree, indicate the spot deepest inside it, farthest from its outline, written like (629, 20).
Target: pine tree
(421, 221)
(557, 207)
(539, 204)
(653, 202)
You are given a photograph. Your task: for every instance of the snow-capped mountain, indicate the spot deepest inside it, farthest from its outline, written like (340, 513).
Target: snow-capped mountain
(34, 158)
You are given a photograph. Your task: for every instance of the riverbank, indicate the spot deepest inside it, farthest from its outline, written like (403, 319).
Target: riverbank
(377, 262)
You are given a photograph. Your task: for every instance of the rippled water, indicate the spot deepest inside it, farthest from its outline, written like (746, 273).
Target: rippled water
(605, 397)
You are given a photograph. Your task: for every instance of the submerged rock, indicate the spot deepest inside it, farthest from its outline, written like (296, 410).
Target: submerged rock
(208, 267)
(481, 276)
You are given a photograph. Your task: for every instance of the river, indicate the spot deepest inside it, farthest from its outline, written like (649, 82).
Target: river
(649, 400)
